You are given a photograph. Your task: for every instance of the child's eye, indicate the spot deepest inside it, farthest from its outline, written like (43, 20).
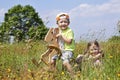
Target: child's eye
(95, 49)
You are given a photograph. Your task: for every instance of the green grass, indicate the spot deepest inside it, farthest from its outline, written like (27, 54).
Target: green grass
(16, 64)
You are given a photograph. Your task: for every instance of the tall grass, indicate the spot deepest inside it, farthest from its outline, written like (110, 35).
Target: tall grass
(16, 64)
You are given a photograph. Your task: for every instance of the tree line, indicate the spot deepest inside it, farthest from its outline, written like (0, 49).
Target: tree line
(22, 22)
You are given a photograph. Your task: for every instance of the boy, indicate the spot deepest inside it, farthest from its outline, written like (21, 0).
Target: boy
(65, 40)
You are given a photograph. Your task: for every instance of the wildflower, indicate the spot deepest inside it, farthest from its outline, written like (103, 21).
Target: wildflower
(75, 65)
(8, 70)
(94, 79)
(78, 73)
(62, 73)
(108, 78)
(118, 74)
(111, 57)
(29, 70)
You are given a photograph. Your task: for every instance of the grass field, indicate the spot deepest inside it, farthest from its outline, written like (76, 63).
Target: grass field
(16, 64)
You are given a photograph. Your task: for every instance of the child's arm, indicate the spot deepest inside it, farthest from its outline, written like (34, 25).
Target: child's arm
(67, 40)
(64, 38)
(97, 56)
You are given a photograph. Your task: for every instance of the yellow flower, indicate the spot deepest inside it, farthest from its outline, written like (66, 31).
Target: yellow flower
(108, 78)
(118, 74)
(29, 70)
(75, 65)
(62, 73)
(111, 57)
(78, 74)
(95, 79)
(8, 70)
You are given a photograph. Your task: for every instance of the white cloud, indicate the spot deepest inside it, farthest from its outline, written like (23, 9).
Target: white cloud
(94, 17)
(88, 10)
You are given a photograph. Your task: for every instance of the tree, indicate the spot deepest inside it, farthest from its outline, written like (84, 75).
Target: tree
(22, 22)
(114, 39)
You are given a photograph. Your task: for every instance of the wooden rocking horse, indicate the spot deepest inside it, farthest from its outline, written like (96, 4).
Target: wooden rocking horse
(53, 47)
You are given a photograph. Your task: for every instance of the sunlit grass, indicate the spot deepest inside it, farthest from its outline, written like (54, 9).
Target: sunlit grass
(16, 64)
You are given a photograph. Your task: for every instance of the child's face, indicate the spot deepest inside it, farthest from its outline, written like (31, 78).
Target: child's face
(94, 49)
(63, 23)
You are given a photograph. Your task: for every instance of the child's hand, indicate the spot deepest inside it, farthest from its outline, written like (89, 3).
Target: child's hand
(90, 57)
(59, 35)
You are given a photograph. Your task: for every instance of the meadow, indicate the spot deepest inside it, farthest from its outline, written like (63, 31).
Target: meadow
(16, 64)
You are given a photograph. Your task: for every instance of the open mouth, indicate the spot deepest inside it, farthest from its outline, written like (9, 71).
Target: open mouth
(63, 27)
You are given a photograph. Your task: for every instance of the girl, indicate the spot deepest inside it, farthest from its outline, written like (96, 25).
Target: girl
(93, 53)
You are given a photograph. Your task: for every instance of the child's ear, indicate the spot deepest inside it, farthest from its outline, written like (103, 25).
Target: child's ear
(68, 21)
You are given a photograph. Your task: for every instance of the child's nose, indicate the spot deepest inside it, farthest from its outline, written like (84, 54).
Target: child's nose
(63, 23)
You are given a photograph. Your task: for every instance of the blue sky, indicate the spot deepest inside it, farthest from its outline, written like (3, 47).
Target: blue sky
(90, 19)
